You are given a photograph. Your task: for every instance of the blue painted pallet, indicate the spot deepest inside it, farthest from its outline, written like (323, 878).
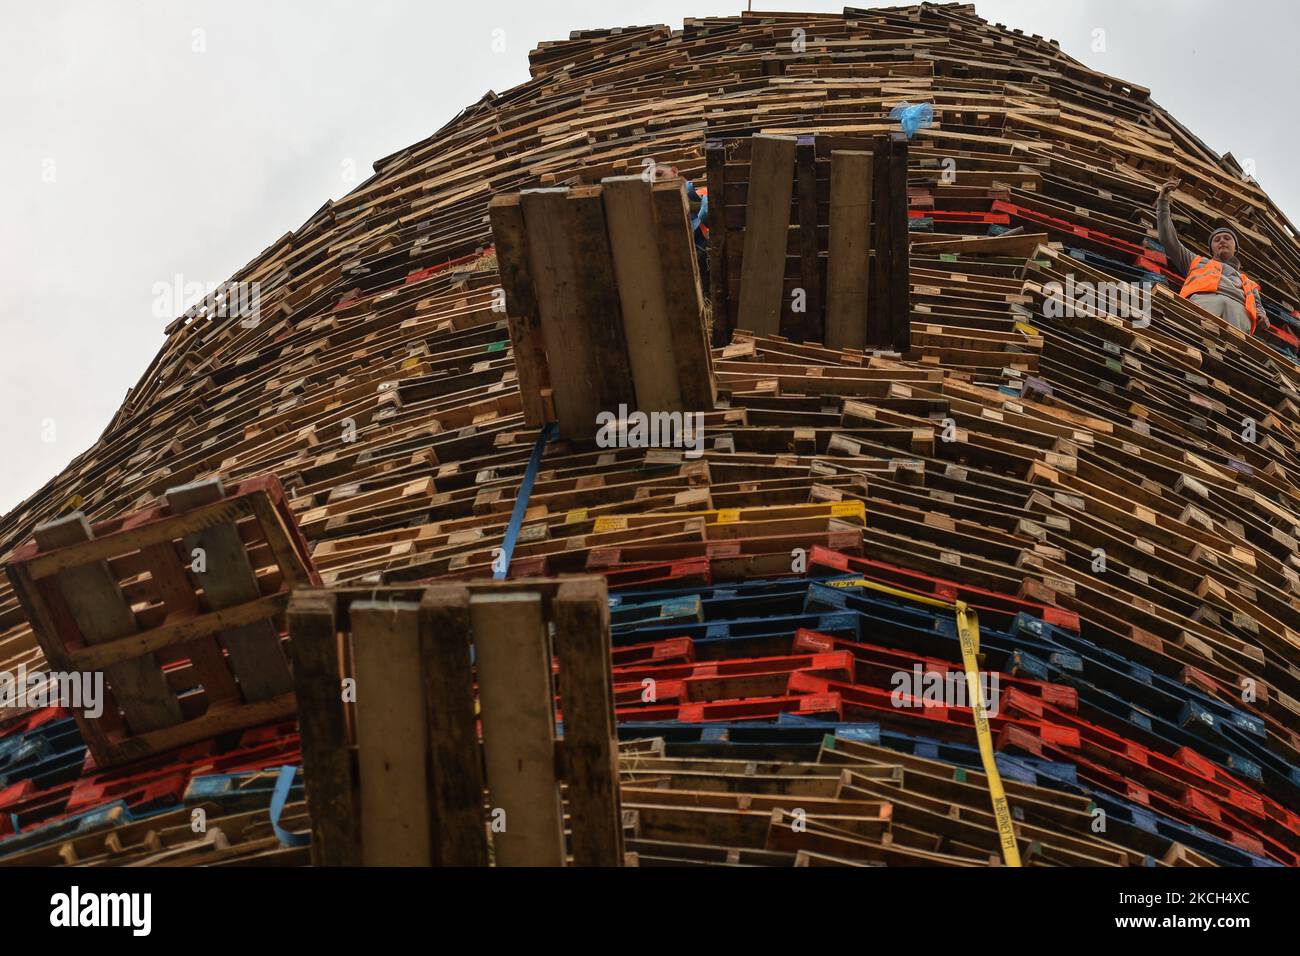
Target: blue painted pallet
(108, 817)
(48, 755)
(245, 790)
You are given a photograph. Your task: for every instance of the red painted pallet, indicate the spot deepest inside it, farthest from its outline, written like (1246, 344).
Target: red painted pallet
(882, 663)
(758, 708)
(981, 599)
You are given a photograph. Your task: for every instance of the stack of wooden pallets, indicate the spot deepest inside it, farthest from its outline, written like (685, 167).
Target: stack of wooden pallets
(1117, 493)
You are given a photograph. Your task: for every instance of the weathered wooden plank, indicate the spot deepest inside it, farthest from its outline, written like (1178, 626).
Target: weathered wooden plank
(559, 282)
(599, 304)
(256, 657)
(900, 309)
(525, 324)
(641, 291)
(456, 760)
(682, 297)
(849, 256)
(177, 592)
(811, 323)
(716, 159)
(514, 665)
(767, 226)
(392, 736)
(582, 646)
(327, 761)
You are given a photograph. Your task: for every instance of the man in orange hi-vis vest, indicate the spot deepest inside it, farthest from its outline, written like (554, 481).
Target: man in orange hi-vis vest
(1215, 282)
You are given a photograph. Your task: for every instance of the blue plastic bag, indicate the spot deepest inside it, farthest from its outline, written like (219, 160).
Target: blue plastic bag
(913, 116)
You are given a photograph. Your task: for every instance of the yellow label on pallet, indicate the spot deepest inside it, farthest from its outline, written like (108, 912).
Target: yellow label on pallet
(849, 509)
(576, 515)
(609, 524)
(1026, 328)
(732, 515)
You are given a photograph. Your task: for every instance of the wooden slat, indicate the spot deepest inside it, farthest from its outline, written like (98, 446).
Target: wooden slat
(392, 740)
(327, 762)
(899, 269)
(682, 297)
(254, 650)
(178, 595)
(849, 256)
(641, 291)
(457, 783)
(514, 666)
(600, 301)
(881, 284)
(558, 279)
(812, 323)
(716, 155)
(521, 304)
(581, 615)
(767, 225)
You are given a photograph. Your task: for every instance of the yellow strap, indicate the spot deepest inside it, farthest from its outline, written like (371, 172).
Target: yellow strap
(896, 592)
(968, 636)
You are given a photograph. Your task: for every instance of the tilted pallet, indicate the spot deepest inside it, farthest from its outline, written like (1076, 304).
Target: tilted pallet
(179, 608)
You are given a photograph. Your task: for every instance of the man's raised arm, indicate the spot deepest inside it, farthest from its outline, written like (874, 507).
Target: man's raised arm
(1180, 259)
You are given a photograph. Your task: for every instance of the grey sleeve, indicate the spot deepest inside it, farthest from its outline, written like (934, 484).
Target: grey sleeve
(1180, 259)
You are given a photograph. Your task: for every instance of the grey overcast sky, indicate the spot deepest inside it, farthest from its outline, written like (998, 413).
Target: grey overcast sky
(142, 141)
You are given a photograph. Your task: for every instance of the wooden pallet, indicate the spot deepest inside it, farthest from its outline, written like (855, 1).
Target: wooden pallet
(811, 239)
(179, 606)
(414, 796)
(603, 293)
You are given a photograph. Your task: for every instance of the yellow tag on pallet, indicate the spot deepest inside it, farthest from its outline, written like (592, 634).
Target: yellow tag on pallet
(849, 509)
(609, 524)
(1026, 328)
(576, 515)
(728, 515)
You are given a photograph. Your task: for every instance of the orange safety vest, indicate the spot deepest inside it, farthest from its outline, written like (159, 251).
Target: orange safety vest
(704, 196)
(1204, 276)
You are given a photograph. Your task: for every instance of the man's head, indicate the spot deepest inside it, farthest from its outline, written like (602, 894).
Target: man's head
(1223, 244)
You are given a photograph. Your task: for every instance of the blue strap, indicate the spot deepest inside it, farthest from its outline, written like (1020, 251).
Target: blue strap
(547, 433)
(283, 784)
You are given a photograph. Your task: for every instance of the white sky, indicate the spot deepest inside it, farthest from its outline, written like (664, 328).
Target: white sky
(167, 161)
